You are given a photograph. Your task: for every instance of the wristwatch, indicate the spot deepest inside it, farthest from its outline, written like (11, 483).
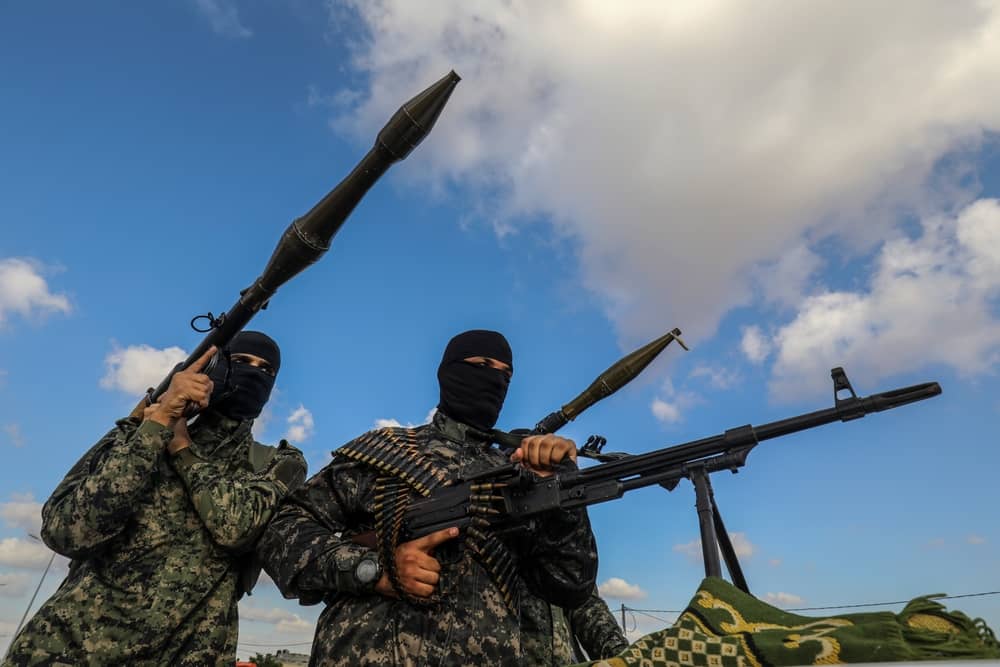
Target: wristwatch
(368, 570)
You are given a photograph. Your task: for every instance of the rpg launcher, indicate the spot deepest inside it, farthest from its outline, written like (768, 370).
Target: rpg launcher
(308, 237)
(614, 378)
(507, 498)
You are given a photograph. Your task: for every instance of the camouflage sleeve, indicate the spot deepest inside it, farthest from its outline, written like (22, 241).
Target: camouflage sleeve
(560, 561)
(596, 629)
(236, 505)
(93, 503)
(305, 549)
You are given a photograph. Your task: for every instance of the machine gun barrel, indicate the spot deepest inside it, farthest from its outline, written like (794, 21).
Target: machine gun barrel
(743, 438)
(309, 237)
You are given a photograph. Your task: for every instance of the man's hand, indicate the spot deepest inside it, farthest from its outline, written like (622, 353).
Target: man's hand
(418, 570)
(181, 439)
(540, 453)
(188, 385)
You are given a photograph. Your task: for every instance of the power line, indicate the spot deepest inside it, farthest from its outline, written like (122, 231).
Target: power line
(309, 643)
(836, 606)
(636, 611)
(882, 604)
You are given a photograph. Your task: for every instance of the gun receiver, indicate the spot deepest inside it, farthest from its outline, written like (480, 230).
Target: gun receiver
(516, 496)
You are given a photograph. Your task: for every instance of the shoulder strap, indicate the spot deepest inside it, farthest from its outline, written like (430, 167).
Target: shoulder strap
(248, 566)
(261, 455)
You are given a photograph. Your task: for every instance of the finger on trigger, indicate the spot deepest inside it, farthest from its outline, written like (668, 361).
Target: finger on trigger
(428, 542)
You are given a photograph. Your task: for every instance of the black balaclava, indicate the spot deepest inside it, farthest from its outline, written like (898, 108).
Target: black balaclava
(241, 390)
(471, 394)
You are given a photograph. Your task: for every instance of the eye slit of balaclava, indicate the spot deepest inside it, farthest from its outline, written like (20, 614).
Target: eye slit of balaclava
(245, 389)
(470, 393)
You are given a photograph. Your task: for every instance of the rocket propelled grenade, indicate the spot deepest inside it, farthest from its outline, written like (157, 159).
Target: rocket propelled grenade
(614, 378)
(619, 374)
(308, 237)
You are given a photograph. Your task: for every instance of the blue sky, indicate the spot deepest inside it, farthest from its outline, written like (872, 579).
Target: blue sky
(791, 198)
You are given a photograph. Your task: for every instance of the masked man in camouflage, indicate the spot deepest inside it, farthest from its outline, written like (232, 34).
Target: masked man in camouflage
(159, 518)
(552, 635)
(446, 598)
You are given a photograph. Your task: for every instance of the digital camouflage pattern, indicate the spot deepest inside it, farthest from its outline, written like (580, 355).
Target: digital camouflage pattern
(156, 546)
(595, 628)
(307, 551)
(552, 635)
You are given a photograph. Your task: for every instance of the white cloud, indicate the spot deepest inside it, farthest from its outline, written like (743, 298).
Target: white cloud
(783, 599)
(22, 511)
(670, 405)
(284, 620)
(743, 547)
(950, 273)
(395, 423)
(295, 624)
(13, 585)
(224, 18)
(340, 99)
(301, 425)
(666, 412)
(13, 432)
(136, 368)
(690, 549)
(24, 291)
(976, 539)
(755, 345)
(784, 281)
(272, 615)
(262, 421)
(719, 378)
(620, 589)
(668, 162)
(22, 552)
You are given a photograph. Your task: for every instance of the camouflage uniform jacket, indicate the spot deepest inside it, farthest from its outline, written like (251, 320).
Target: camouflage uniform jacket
(552, 635)
(156, 546)
(307, 552)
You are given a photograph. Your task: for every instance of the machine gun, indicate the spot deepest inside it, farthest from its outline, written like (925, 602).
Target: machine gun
(308, 237)
(508, 498)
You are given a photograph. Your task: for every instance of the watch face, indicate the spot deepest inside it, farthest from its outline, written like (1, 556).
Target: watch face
(366, 571)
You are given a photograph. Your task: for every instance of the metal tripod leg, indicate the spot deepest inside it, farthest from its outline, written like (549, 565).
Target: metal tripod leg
(714, 537)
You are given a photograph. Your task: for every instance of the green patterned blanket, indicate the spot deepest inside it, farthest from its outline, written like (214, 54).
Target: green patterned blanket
(723, 626)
